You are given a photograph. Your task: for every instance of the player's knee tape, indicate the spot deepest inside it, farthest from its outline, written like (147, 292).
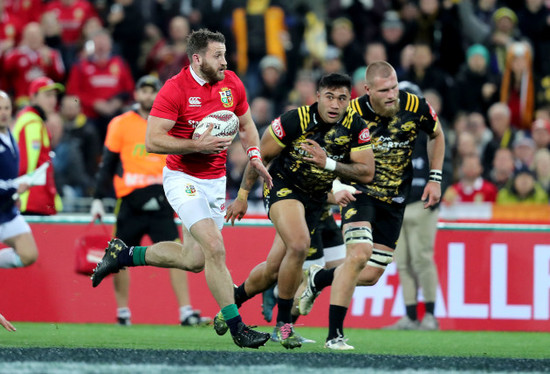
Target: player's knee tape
(380, 258)
(358, 234)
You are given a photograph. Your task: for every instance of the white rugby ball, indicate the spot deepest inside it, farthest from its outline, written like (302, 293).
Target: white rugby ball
(226, 124)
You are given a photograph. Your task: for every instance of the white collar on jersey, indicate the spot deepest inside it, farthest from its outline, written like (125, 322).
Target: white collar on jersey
(199, 80)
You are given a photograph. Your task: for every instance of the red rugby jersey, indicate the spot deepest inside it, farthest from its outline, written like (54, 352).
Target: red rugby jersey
(184, 100)
(92, 81)
(72, 18)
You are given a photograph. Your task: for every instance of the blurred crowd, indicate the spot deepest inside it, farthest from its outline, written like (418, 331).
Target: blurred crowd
(484, 66)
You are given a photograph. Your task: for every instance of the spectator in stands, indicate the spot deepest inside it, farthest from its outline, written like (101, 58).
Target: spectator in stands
(364, 15)
(543, 112)
(438, 26)
(541, 168)
(476, 18)
(27, 10)
(102, 81)
(78, 151)
(332, 62)
(52, 33)
(504, 33)
(406, 59)
(304, 91)
(261, 110)
(503, 168)
(524, 151)
(523, 188)
(272, 83)
(458, 125)
(375, 51)
(169, 56)
(358, 79)
(10, 33)
(465, 146)
(471, 188)
(517, 89)
(477, 127)
(259, 29)
(540, 130)
(393, 37)
(30, 60)
(533, 22)
(71, 16)
(475, 87)
(503, 134)
(426, 75)
(35, 146)
(126, 23)
(342, 37)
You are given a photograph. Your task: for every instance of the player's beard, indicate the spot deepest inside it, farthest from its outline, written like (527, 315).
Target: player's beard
(386, 111)
(212, 75)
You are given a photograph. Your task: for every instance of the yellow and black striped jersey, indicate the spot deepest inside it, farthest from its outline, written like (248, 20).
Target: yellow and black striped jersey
(393, 140)
(338, 140)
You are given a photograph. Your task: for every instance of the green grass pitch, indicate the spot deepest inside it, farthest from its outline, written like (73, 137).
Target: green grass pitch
(530, 345)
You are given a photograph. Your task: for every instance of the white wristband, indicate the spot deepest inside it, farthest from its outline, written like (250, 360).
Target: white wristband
(435, 176)
(330, 164)
(338, 186)
(253, 152)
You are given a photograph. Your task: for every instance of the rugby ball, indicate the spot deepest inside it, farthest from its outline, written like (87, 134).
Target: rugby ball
(226, 124)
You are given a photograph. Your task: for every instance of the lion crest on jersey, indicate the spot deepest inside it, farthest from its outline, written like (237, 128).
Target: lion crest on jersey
(226, 97)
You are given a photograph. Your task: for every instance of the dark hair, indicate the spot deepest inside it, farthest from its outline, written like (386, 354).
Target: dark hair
(334, 80)
(197, 41)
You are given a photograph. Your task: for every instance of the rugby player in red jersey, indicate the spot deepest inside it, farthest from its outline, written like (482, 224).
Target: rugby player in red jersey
(194, 177)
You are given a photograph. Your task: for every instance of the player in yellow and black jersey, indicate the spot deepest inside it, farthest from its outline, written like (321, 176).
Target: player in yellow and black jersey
(308, 148)
(338, 140)
(393, 140)
(371, 223)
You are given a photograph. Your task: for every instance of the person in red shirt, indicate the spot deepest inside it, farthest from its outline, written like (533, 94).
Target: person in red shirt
(10, 29)
(10, 32)
(30, 60)
(168, 56)
(194, 178)
(27, 10)
(471, 188)
(102, 81)
(72, 15)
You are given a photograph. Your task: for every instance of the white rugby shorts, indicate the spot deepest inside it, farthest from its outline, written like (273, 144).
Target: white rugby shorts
(12, 228)
(195, 199)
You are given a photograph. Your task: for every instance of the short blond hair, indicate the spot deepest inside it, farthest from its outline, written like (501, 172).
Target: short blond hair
(378, 69)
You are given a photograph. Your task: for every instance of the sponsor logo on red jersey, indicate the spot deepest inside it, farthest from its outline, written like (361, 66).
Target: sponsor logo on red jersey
(277, 128)
(432, 112)
(226, 97)
(364, 136)
(195, 101)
